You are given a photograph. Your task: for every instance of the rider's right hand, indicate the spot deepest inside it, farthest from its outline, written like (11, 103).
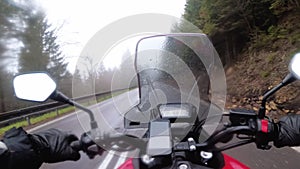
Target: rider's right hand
(288, 131)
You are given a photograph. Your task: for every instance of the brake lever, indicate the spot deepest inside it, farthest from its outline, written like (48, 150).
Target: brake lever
(232, 145)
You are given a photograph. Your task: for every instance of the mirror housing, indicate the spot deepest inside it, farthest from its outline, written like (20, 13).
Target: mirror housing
(294, 66)
(39, 87)
(34, 86)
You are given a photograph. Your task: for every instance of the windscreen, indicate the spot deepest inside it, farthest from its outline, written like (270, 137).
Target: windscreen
(175, 68)
(167, 66)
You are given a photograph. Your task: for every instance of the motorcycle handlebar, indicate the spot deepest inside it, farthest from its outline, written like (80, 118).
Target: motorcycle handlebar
(246, 123)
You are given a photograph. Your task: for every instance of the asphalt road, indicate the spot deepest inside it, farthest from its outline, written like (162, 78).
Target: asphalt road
(108, 111)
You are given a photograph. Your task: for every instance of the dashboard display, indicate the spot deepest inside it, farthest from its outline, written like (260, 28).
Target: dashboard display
(175, 111)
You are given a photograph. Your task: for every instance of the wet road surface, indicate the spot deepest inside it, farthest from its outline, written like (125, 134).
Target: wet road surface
(78, 122)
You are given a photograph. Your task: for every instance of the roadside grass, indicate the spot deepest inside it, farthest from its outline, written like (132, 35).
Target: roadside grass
(108, 96)
(58, 113)
(17, 124)
(50, 115)
(37, 119)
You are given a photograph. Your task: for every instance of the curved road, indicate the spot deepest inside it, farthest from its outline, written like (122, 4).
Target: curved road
(249, 154)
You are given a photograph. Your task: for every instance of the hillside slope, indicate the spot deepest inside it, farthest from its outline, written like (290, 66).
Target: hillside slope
(255, 40)
(263, 64)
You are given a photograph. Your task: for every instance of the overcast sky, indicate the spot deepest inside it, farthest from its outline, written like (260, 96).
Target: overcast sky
(81, 19)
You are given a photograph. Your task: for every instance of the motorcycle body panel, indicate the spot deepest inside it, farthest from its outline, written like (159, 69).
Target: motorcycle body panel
(231, 163)
(128, 164)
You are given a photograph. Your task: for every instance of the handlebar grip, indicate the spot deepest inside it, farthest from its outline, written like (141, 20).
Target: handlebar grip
(76, 145)
(83, 144)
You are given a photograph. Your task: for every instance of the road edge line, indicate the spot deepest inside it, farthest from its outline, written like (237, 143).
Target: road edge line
(50, 122)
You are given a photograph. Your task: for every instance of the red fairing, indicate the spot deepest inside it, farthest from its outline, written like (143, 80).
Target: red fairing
(231, 163)
(127, 165)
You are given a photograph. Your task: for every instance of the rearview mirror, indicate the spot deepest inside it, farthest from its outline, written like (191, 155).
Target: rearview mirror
(295, 66)
(34, 86)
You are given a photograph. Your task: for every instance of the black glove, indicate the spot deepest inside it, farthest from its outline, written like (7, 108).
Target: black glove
(288, 131)
(20, 153)
(54, 146)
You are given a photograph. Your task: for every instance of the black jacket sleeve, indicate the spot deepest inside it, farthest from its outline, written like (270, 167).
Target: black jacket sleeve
(4, 156)
(288, 131)
(19, 153)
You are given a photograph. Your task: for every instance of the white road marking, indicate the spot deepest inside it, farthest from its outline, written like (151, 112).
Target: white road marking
(121, 160)
(107, 159)
(296, 148)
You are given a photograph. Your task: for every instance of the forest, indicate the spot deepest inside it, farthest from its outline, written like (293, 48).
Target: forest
(255, 40)
(29, 43)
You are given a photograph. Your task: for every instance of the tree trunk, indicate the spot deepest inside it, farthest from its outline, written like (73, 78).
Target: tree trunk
(2, 99)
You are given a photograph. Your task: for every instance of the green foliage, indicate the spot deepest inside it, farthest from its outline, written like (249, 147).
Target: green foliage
(295, 38)
(209, 27)
(17, 124)
(279, 7)
(9, 28)
(271, 57)
(41, 52)
(276, 32)
(276, 6)
(9, 31)
(56, 66)
(27, 43)
(259, 41)
(232, 24)
(264, 74)
(222, 16)
(6, 91)
(192, 11)
(33, 56)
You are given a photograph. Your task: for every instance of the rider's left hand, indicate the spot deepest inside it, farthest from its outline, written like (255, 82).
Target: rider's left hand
(55, 146)
(17, 151)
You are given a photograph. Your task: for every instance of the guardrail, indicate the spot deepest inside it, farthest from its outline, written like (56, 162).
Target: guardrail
(10, 117)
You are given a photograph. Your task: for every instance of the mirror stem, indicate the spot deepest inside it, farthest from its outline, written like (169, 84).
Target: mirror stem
(287, 80)
(58, 96)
